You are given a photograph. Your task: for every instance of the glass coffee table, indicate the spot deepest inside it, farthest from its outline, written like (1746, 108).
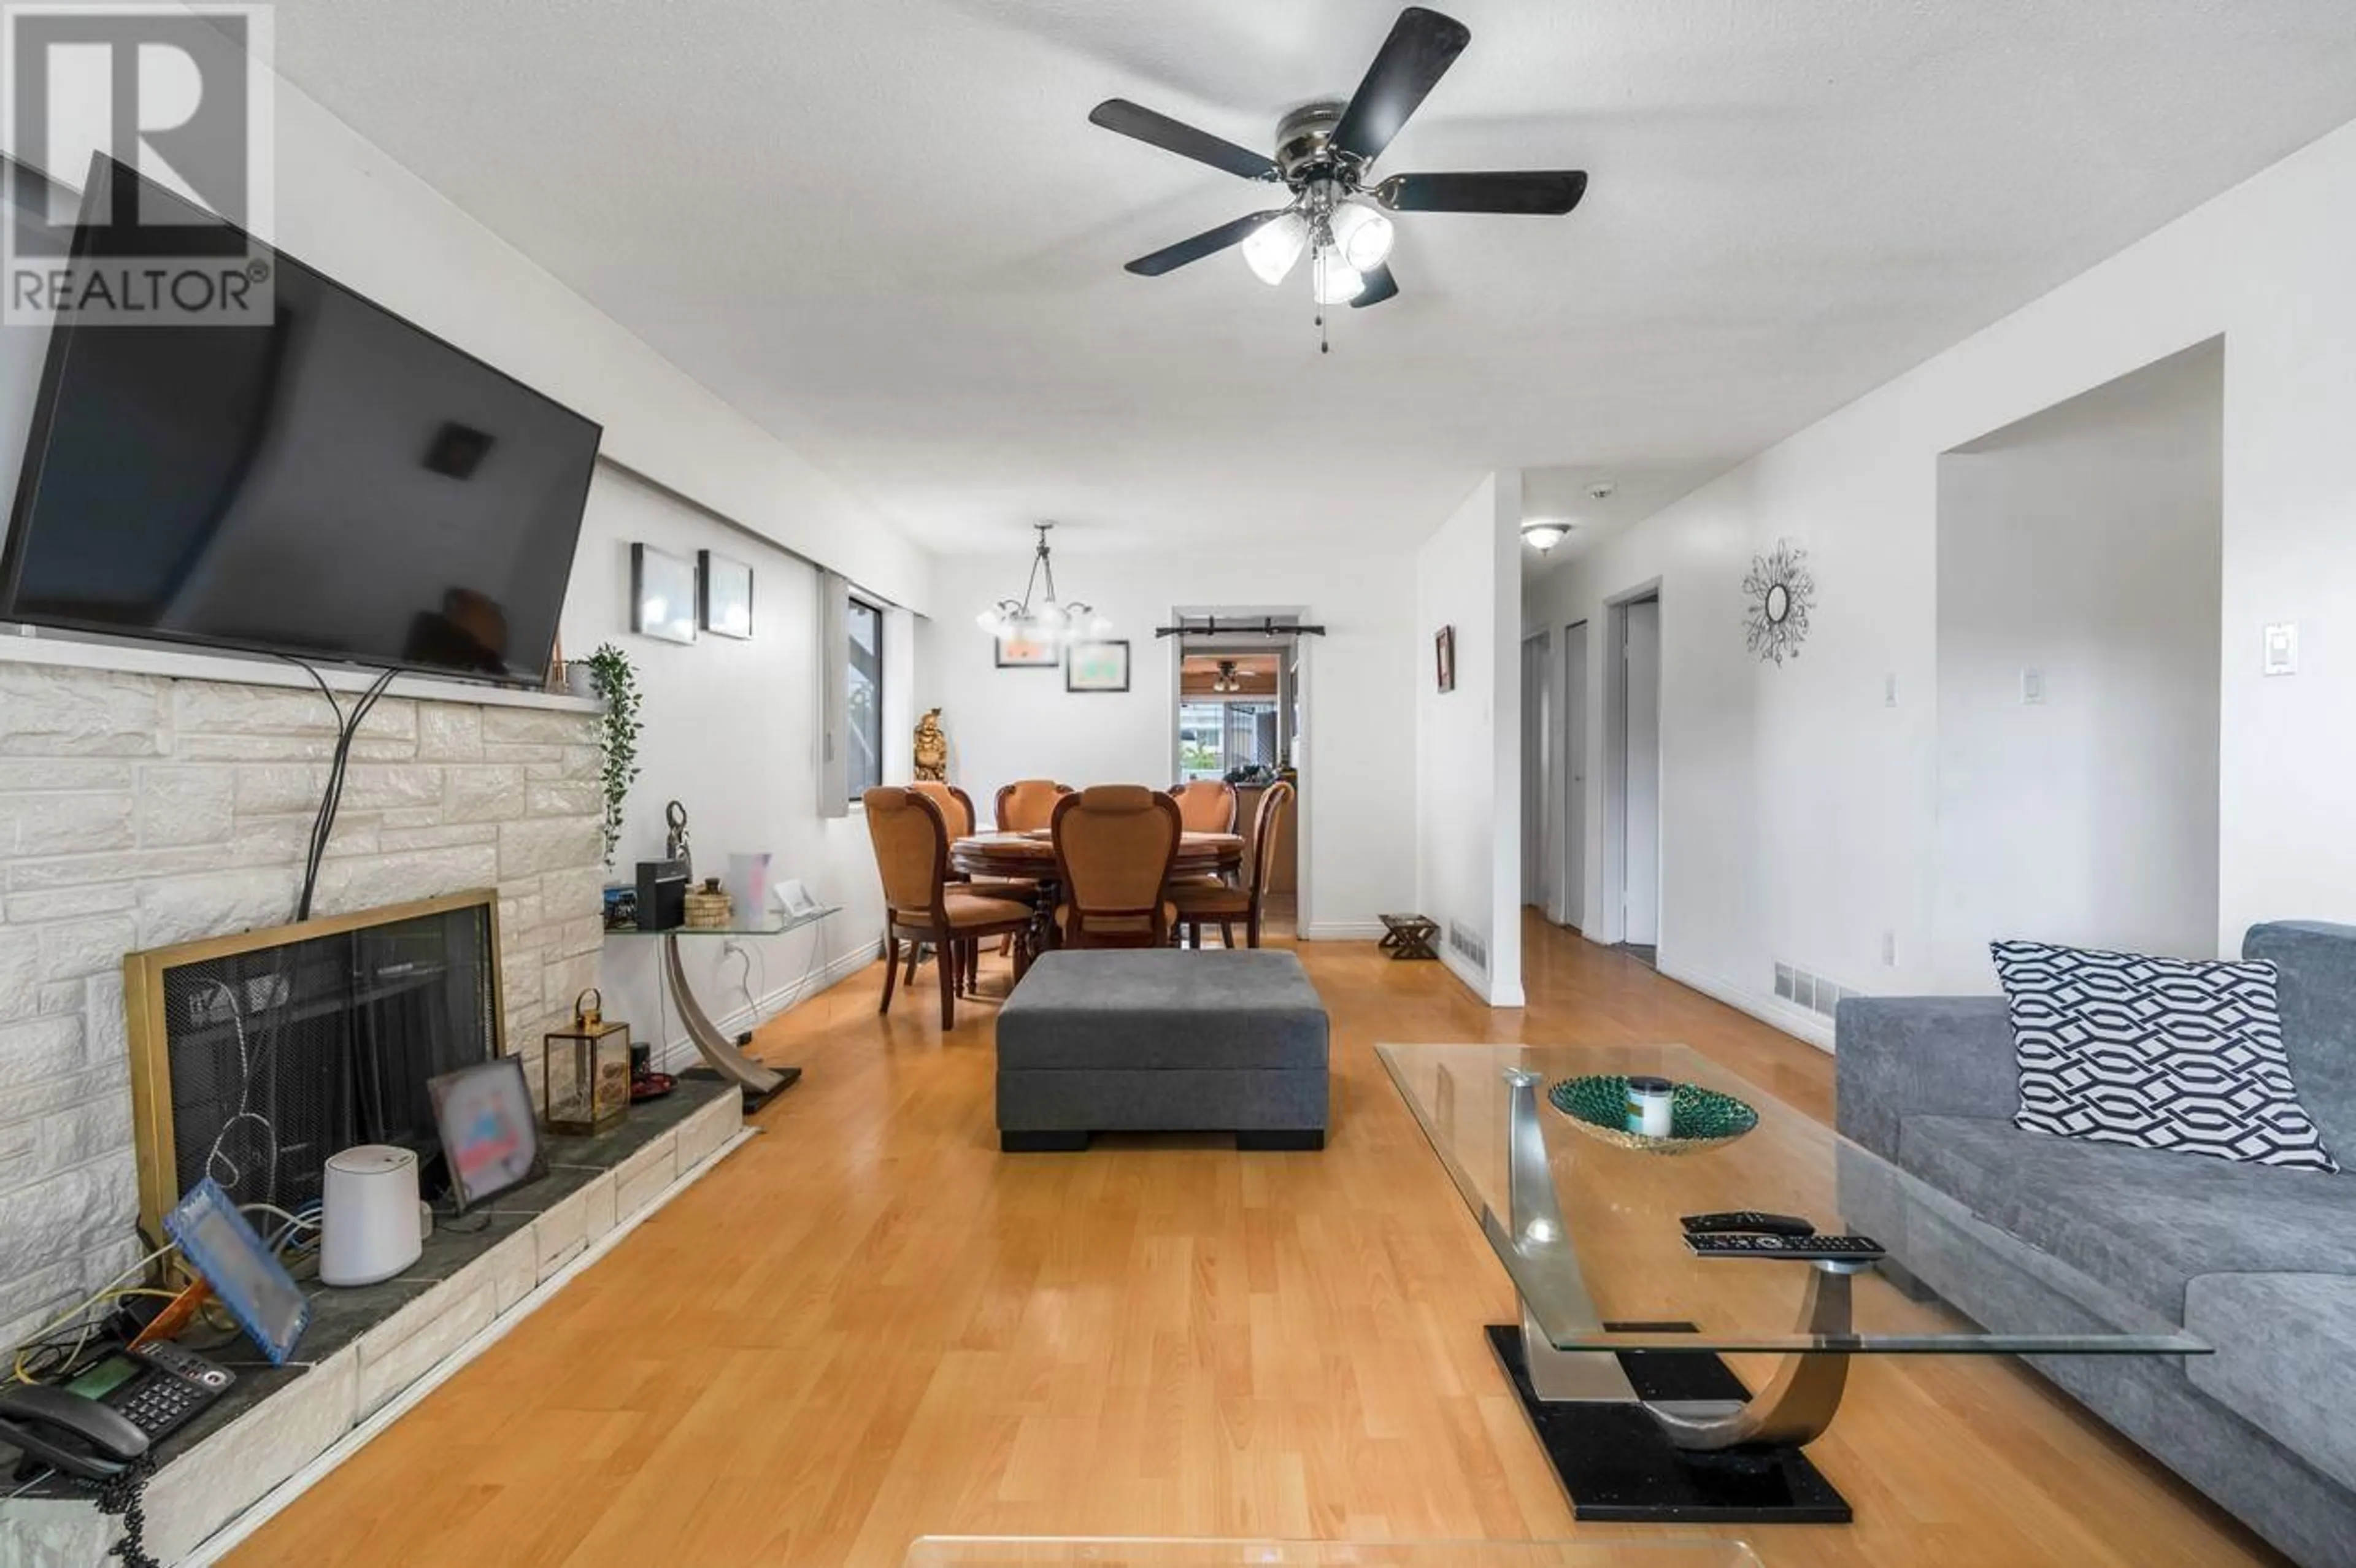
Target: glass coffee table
(1054, 1551)
(1617, 1356)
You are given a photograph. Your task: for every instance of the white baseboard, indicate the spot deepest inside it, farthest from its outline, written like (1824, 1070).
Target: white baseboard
(1797, 1022)
(679, 1053)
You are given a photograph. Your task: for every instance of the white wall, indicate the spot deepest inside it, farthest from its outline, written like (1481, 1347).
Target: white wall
(1357, 808)
(728, 725)
(350, 210)
(732, 733)
(2083, 545)
(1800, 808)
(1468, 839)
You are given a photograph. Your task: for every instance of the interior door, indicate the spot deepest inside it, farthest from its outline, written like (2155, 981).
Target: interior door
(1538, 748)
(1640, 866)
(1573, 893)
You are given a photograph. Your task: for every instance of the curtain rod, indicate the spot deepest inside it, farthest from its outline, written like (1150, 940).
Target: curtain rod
(1212, 626)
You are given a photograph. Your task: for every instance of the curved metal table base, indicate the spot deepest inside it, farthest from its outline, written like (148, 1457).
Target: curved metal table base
(1625, 1448)
(1792, 1409)
(760, 1081)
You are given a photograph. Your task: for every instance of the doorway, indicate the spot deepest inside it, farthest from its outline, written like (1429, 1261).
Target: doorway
(1632, 817)
(1570, 889)
(1239, 712)
(1538, 774)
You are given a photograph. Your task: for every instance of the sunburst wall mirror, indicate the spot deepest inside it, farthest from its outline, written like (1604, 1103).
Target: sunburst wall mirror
(1777, 595)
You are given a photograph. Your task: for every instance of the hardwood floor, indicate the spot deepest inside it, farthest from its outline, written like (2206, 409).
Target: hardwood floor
(869, 1325)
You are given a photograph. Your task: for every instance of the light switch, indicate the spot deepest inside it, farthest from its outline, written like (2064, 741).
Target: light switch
(1889, 690)
(2282, 648)
(2032, 686)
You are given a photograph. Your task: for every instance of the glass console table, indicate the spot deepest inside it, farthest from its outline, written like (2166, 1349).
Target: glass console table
(760, 1080)
(1050, 1552)
(1616, 1356)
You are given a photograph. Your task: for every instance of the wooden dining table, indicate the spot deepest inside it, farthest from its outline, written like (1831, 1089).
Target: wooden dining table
(1031, 855)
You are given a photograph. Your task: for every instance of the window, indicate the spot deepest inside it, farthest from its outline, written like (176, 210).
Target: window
(864, 707)
(1214, 738)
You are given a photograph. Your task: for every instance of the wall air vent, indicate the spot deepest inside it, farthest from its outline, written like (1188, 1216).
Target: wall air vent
(1468, 943)
(1813, 992)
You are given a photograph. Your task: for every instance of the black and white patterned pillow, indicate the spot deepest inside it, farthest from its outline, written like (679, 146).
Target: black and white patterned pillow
(2160, 1052)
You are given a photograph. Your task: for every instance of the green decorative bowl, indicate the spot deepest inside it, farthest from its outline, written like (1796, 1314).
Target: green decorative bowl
(1699, 1118)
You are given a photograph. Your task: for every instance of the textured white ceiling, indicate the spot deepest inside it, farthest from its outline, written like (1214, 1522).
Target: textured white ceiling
(887, 231)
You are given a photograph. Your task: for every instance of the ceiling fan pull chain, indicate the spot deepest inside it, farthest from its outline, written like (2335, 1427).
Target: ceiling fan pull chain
(1317, 263)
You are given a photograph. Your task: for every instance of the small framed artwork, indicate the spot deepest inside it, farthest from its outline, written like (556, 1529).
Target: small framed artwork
(1027, 652)
(662, 594)
(724, 596)
(1444, 653)
(1097, 667)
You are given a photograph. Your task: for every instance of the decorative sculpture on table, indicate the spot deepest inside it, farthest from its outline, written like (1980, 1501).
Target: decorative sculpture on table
(932, 749)
(674, 839)
(1778, 593)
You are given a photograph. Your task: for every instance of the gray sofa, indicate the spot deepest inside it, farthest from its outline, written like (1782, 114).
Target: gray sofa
(2258, 1261)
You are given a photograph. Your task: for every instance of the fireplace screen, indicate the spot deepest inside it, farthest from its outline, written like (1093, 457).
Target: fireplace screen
(255, 1057)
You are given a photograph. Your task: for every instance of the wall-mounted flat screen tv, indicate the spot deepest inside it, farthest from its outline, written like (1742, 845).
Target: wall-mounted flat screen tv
(338, 485)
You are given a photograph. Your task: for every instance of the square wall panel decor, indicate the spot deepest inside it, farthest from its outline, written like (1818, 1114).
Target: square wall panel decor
(1097, 667)
(662, 594)
(1028, 653)
(725, 602)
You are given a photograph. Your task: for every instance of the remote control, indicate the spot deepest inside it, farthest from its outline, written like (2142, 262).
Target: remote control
(1801, 1249)
(1746, 1219)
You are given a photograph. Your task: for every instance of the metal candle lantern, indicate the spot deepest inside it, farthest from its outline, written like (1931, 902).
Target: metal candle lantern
(585, 1072)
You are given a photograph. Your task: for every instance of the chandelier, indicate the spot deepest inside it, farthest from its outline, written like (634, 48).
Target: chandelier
(1050, 620)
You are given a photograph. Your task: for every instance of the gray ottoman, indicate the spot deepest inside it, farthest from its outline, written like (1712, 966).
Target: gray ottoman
(1163, 1041)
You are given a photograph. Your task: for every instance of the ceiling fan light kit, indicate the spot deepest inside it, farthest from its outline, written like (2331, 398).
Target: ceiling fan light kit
(1324, 155)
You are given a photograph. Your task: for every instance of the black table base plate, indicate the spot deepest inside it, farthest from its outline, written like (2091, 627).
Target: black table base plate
(1618, 1466)
(786, 1078)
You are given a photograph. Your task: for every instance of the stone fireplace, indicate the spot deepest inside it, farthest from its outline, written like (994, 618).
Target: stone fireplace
(149, 799)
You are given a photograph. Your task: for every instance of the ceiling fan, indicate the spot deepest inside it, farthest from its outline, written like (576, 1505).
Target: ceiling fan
(1325, 154)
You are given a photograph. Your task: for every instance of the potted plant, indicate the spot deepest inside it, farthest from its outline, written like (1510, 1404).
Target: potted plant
(616, 685)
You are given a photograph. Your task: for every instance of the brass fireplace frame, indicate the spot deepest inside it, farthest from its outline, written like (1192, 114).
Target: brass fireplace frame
(157, 1150)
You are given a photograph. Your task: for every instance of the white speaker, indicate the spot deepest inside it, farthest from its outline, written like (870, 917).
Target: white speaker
(368, 1224)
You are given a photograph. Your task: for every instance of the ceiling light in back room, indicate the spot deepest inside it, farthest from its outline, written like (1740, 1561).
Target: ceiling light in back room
(1542, 534)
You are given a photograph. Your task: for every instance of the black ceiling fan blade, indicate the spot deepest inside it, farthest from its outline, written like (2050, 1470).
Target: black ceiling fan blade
(1170, 258)
(1423, 46)
(1175, 136)
(1529, 191)
(1380, 287)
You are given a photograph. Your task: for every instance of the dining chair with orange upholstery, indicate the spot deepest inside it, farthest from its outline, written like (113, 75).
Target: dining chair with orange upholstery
(1028, 804)
(921, 904)
(1114, 847)
(957, 810)
(1206, 806)
(1207, 901)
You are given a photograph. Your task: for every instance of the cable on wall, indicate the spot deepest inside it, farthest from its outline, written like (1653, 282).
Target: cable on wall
(331, 798)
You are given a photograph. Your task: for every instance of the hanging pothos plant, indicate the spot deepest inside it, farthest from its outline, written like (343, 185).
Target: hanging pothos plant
(616, 685)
